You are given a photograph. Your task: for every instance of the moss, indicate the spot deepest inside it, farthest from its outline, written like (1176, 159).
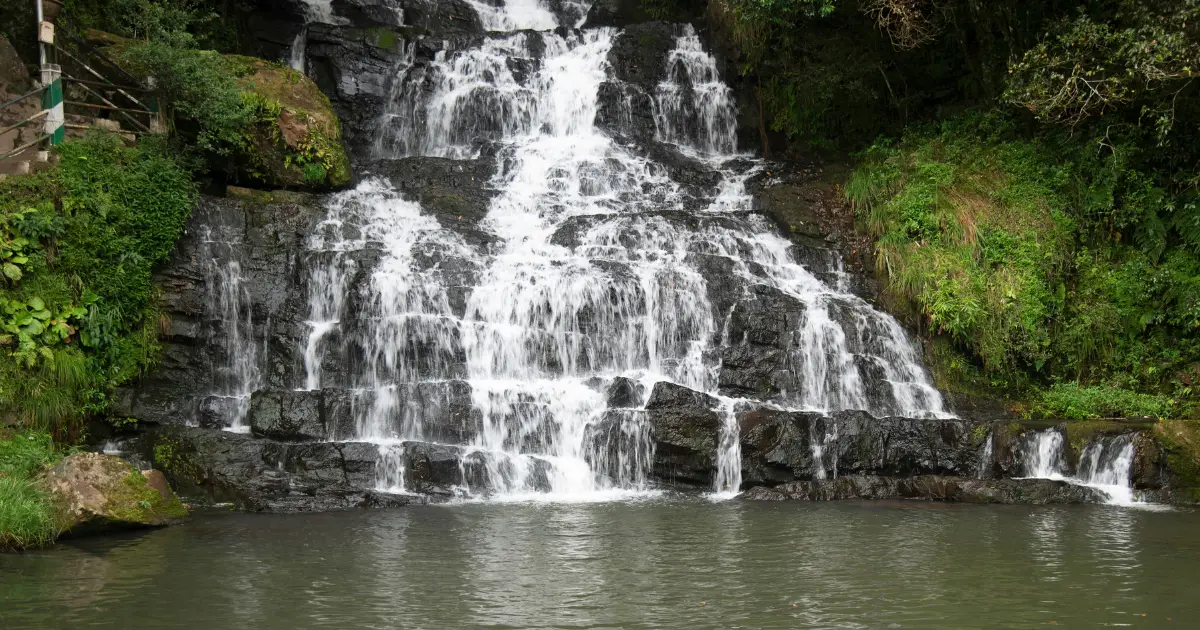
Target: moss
(1181, 439)
(386, 39)
(135, 501)
(1082, 432)
(296, 139)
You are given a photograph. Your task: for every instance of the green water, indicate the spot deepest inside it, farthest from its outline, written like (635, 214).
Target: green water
(652, 564)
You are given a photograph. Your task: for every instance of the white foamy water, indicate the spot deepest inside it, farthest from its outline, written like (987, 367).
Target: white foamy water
(315, 12)
(503, 352)
(237, 375)
(1105, 464)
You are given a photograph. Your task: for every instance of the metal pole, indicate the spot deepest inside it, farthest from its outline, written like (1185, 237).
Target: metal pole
(41, 46)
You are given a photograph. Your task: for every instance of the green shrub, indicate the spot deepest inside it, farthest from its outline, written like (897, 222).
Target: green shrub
(82, 318)
(1072, 401)
(975, 233)
(201, 87)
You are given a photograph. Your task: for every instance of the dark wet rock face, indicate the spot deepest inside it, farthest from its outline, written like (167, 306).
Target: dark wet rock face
(929, 488)
(779, 445)
(686, 431)
(261, 474)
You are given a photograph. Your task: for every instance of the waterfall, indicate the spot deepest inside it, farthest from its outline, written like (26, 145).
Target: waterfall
(820, 441)
(315, 12)
(1042, 454)
(1107, 466)
(1104, 464)
(592, 270)
(985, 459)
(729, 454)
(237, 376)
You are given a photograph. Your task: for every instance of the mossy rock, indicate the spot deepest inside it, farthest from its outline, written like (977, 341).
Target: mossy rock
(94, 492)
(297, 140)
(1181, 440)
(1081, 432)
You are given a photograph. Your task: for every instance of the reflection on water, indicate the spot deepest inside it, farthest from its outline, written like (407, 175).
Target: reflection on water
(651, 564)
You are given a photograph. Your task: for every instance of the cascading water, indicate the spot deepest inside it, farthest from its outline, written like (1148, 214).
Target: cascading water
(983, 471)
(1042, 454)
(315, 12)
(238, 375)
(1105, 463)
(1107, 466)
(586, 277)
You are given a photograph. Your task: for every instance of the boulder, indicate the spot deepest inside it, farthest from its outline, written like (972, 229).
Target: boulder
(298, 141)
(94, 491)
(287, 415)
(686, 430)
(624, 393)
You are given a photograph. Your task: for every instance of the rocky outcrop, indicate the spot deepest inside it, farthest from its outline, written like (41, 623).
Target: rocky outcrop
(929, 488)
(262, 474)
(686, 430)
(14, 77)
(230, 244)
(779, 445)
(299, 142)
(95, 492)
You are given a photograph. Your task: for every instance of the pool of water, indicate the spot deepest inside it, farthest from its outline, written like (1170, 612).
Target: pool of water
(645, 564)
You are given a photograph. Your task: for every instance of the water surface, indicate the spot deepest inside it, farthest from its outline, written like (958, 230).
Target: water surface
(649, 564)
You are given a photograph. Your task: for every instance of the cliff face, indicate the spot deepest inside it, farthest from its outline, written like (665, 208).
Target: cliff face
(325, 351)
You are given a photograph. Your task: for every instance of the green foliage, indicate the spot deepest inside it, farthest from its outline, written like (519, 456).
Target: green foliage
(82, 320)
(784, 11)
(974, 233)
(202, 88)
(179, 23)
(27, 519)
(1072, 401)
(26, 454)
(1010, 247)
(1139, 52)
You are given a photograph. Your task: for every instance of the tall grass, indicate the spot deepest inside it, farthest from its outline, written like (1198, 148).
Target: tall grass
(27, 517)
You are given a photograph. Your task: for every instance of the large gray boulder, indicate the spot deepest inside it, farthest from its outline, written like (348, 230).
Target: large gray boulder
(686, 429)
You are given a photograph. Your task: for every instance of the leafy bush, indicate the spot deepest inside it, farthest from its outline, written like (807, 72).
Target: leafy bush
(201, 86)
(82, 318)
(975, 233)
(1075, 402)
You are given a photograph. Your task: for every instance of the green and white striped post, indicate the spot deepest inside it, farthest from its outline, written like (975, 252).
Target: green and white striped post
(52, 96)
(52, 102)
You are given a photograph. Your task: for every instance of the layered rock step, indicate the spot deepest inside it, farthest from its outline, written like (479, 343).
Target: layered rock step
(305, 450)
